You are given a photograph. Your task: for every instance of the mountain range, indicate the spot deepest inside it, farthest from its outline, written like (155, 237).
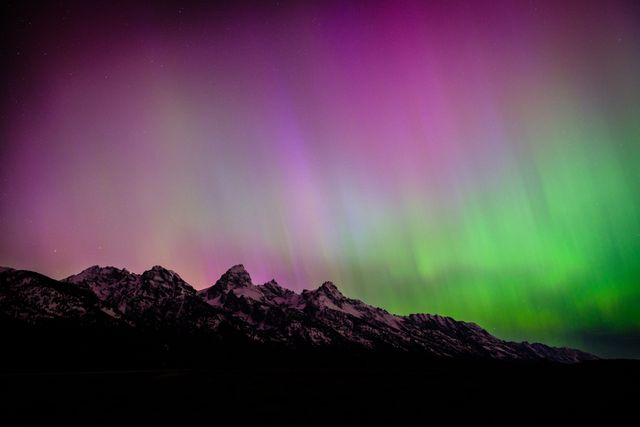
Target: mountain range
(234, 310)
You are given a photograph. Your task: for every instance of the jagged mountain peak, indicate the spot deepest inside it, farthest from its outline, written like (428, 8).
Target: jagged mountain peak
(110, 276)
(159, 273)
(160, 269)
(273, 285)
(273, 289)
(96, 272)
(327, 289)
(238, 269)
(236, 276)
(148, 298)
(98, 268)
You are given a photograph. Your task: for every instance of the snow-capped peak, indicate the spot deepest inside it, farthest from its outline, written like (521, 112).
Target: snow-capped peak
(238, 269)
(158, 273)
(235, 277)
(97, 273)
(328, 288)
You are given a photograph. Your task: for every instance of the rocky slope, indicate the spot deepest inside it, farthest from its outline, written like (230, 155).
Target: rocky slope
(159, 300)
(155, 299)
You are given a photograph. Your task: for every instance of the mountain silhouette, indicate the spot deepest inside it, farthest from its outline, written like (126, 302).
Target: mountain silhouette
(235, 310)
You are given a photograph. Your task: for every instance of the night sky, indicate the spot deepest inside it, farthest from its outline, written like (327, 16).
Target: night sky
(474, 159)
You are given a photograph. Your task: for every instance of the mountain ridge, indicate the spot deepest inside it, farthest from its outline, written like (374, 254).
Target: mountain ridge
(268, 314)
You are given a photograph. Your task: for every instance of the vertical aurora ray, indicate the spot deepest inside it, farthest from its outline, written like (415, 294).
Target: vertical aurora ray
(475, 160)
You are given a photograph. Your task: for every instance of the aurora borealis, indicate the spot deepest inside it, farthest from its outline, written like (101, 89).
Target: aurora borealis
(474, 159)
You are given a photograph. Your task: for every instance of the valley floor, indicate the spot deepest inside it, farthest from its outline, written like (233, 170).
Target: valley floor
(324, 391)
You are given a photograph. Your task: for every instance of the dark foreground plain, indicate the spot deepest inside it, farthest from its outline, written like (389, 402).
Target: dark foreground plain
(337, 388)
